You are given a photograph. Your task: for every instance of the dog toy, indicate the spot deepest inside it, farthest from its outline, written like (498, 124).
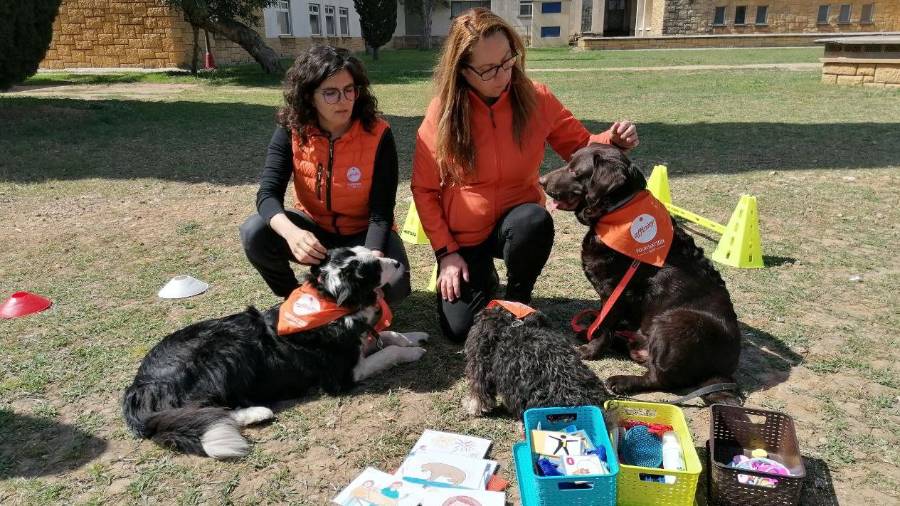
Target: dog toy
(761, 464)
(546, 468)
(641, 448)
(657, 429)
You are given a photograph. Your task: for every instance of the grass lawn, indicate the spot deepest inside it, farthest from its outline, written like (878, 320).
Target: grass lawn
(110, 185)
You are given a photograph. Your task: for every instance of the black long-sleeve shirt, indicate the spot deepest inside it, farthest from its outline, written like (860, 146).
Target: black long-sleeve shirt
(279, 167)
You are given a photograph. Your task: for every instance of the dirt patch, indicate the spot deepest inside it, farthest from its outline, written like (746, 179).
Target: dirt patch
(135, 91)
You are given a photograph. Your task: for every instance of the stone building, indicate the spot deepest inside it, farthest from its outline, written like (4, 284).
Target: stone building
(146, 33)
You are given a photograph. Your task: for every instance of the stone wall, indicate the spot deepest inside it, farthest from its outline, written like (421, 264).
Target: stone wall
(229, 53)
(147, 34)
(868, 73)
(699, 41)
(783, 16)
(103, 33)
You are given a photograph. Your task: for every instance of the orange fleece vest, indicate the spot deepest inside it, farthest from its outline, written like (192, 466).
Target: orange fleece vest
(333, 178)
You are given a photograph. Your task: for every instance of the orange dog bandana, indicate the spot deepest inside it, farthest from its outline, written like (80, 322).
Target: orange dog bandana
(641, 229)
(517, 308)
(307, 309)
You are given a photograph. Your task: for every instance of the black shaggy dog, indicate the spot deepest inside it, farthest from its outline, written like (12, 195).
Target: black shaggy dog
(679, 317)
(199, 385)
(526, 364)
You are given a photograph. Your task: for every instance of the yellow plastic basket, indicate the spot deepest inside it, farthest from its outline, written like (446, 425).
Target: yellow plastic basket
(632, 490)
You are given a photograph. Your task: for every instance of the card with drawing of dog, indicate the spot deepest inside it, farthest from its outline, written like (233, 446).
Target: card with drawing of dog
(445, 470)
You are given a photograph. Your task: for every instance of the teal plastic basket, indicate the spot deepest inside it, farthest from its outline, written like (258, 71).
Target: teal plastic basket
(589, 490)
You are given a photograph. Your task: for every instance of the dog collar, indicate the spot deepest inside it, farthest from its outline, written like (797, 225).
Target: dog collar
(307, 308)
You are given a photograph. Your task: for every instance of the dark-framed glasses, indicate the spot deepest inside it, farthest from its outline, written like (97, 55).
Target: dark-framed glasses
(487, 75)
(333, 95)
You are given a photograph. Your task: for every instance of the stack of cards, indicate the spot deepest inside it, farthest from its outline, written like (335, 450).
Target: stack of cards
(567, 453)
(443, 469)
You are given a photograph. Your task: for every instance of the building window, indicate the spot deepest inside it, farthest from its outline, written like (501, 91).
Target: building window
(551, 8)
(868, 14)
(315, 26)
(550, 31)
(761, 12)
(329, 21)
(283, 14)
(525, 9)
(822, 17)
(844, 16)
(719, 18)
(740, 15)
(457, 8)
(344, 18)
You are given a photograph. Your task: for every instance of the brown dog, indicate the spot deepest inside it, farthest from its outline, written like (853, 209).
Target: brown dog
(679, 318)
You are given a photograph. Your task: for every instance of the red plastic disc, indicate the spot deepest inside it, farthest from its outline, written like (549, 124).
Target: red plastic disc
(23, 304)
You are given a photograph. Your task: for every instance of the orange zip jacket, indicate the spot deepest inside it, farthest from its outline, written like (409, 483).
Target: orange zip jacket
(505, 175)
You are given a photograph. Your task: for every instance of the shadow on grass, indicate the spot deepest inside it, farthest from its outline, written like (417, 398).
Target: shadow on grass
(32, 446)
(393, 67)
(225, 143)
(765, 360)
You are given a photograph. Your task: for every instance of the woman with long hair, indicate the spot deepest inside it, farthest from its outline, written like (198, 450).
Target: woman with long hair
(332, 139)
(476, 167)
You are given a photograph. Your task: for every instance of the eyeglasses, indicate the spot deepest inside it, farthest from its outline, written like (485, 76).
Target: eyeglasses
(333, 95)
(491, 73)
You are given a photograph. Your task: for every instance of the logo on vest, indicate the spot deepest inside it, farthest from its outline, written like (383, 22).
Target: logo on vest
(643, 228)
(354, 174)
(306, 304)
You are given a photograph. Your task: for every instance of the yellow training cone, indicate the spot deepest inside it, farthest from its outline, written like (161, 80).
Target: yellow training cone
(413, 232)
(740, 245)
(432, 285)
(658, 184)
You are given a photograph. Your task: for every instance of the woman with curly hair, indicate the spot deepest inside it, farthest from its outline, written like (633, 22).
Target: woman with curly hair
(332, 139)
(477, 162)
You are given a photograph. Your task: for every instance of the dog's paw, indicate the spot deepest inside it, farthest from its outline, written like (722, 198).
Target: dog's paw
(587, 352)
(250, 416)
(411, 354)
(474, 407)
(619, 385)
(416, 338)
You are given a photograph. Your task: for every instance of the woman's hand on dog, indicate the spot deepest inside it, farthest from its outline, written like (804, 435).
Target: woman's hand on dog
(624, 135)
(303, 243)
(453, 267)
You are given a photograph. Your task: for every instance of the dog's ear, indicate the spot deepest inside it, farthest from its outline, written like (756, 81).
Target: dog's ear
(348, 279)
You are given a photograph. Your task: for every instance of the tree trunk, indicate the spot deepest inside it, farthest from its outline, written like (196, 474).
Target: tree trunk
(195, 59)
(427, 10)
(237, 32)
(375, 53)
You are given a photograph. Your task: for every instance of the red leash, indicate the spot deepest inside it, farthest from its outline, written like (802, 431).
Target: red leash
(607, 306)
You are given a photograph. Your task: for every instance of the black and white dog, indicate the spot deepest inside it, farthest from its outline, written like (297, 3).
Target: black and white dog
(199, 385)
(526, 364)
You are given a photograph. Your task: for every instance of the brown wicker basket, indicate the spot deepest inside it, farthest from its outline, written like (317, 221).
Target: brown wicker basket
(734, 429)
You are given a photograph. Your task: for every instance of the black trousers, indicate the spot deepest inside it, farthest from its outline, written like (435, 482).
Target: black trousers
(523, 238)
(269, 253)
